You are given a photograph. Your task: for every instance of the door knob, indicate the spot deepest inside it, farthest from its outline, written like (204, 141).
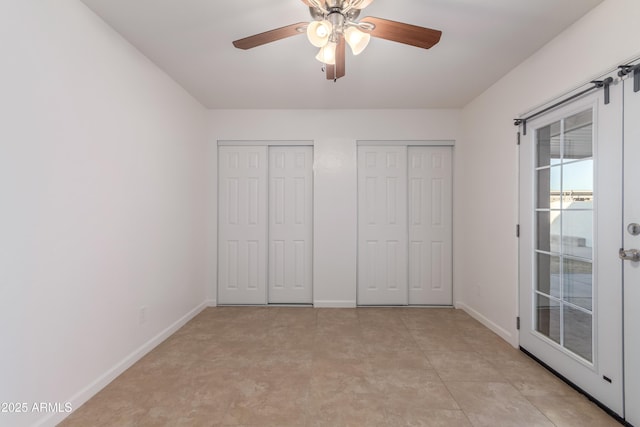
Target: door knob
(629, 255)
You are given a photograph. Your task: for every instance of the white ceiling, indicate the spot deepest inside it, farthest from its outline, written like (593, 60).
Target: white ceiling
(482, 40)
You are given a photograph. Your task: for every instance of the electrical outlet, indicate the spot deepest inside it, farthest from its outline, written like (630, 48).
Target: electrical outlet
(142, 315)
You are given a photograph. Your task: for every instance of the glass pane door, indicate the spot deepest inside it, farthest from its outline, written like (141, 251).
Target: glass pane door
(563, 291)
(570, 220)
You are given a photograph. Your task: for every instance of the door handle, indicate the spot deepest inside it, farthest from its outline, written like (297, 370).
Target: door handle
(629, 255)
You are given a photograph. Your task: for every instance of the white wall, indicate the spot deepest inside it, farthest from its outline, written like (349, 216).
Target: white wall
(102, 204)
(334, 133)
(486, 185)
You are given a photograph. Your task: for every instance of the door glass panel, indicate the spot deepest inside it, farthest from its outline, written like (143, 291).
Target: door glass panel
(577, 185)
(578, 282)
(578, 135)
(544, 232)
(549, 188)
(544, 189)
(577, 233)
(548, 317)
(549, 275)
(578, 332)
(549, 144)
(564, 233)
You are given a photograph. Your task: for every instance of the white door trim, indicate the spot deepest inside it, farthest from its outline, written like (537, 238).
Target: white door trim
(408, 143)
(263, 142)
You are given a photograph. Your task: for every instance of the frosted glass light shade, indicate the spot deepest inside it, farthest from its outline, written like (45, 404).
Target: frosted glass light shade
(356, 39)
(318, 32)
(327, 54)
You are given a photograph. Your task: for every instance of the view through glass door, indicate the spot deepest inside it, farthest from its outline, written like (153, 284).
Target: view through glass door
(570, 276)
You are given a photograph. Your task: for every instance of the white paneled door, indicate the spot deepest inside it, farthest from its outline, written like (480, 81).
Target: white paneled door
(404, 225)
(242, 225)
(290, 224)
(430, 218)
(265, 226)
(631, 241)
(382, 225)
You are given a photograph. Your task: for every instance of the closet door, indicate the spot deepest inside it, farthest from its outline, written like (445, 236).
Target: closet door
(382, 225)
(430, 217)
(242, 225)
(290, 224)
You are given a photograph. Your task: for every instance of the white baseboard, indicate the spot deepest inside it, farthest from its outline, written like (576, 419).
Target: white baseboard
(92, 389)
(211, 303)
(503, 333)
(334, 304)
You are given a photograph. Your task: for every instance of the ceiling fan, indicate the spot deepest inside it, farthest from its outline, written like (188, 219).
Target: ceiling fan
(335, 24)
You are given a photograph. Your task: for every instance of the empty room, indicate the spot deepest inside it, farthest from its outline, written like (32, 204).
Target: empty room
(305, 213)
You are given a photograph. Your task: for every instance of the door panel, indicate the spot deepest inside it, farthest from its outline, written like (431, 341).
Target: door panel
(242, 225)
(382, 225)
(290, 224)
(430, 213)
(570, 217)
(631, 269)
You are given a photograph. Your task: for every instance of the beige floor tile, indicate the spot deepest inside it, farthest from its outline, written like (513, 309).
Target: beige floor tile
(572, 410)
(414, 396)
(496, 405)
(345, 410)
(527, 376)
(438, 340)
(424, 417)
(306, 367)
(463, 366)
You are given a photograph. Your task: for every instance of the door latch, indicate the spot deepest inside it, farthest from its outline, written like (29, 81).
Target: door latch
(629, 255)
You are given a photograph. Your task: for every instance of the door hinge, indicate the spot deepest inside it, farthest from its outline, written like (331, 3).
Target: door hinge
(518, 143)
(518, 230)
(518, 323)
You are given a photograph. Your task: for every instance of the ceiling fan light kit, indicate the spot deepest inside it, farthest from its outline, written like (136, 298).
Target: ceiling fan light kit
(327, 54)
(334, 23)
(319, 32)
(356, 39)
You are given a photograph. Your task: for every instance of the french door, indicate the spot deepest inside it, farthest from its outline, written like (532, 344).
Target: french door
(404, 225)
(265, 224)
(571, 222)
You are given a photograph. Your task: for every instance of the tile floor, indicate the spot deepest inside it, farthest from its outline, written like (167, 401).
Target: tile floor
(373, 367)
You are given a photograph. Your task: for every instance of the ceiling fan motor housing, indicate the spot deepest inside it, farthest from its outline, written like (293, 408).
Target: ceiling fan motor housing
(334, 8)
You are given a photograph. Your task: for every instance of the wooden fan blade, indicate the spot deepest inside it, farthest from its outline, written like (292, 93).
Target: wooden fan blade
(403, 33)
(307, 2)
(270, 36)
(334, 72)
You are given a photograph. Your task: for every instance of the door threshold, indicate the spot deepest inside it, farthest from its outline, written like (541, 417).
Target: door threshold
(611, 413)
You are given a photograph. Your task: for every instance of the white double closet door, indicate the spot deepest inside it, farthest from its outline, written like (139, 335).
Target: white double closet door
(265, 224)
(404, 225)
